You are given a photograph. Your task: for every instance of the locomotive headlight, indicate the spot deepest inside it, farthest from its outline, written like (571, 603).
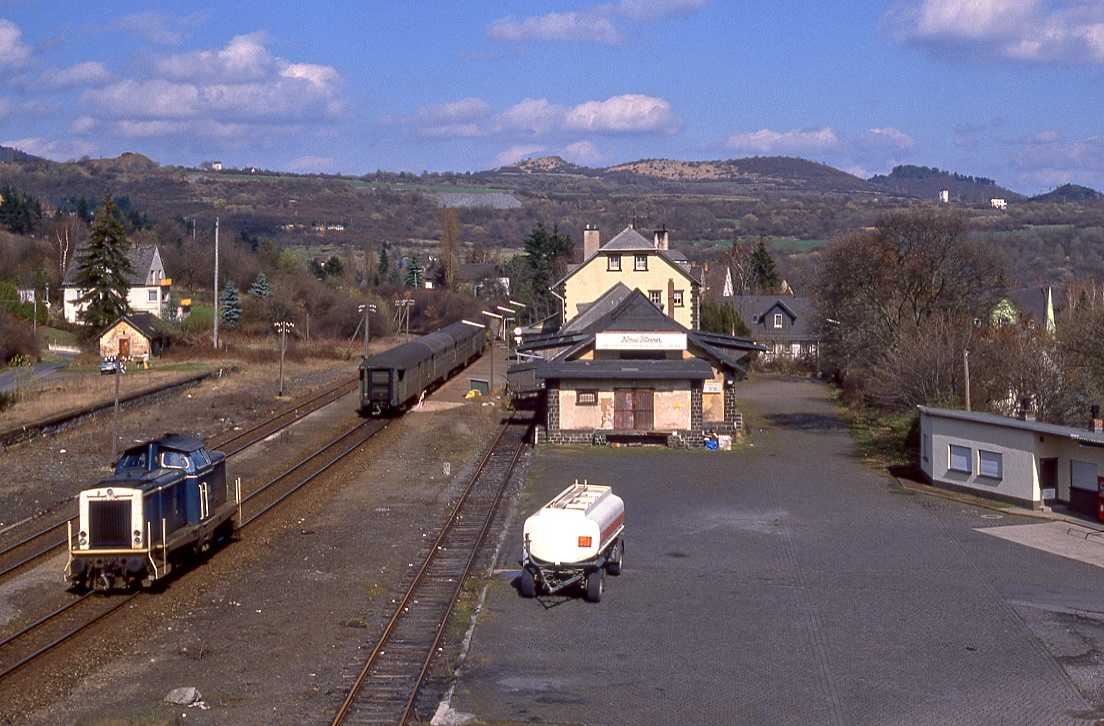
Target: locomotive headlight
(82, 537)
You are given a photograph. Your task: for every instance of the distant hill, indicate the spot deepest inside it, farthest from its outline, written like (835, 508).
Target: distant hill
(925, 182)
(8, 155)
(754, 176)
(1069, 193)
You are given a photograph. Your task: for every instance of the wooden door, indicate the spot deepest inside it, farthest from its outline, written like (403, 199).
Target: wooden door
(124, 347)
(643, 417)
(623, 410)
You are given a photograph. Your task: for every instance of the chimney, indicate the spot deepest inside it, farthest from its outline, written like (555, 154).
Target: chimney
(1025, 413)
(1097, 425)
(592, 240)
(660, 237)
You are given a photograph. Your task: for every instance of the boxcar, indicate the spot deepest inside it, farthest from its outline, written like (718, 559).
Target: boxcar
(167, 500)
(392, 381)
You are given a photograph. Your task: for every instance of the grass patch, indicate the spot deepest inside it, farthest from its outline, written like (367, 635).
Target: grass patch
(883, 439)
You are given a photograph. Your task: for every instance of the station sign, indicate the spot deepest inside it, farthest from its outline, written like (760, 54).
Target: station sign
(640, 341)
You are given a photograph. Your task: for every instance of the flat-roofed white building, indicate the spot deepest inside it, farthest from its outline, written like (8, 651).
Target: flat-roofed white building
(1016, 460)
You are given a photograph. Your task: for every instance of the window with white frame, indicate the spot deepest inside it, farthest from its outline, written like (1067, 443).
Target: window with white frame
(613, 263)
(778, 320)
(960, 459)
(640, 263)
(676, 299)
(153, 296)
(990, 464)
(656, 296)
(586, 398)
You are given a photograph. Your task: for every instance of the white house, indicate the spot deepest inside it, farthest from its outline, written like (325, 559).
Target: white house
(149, 286)
(1016, 460)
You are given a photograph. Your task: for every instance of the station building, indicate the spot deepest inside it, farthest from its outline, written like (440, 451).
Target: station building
(630, 365)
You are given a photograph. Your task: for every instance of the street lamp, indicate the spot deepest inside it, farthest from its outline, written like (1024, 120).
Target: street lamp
(284, 327)
(369, 308)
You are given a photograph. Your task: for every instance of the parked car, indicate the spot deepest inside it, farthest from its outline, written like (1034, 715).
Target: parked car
(108, 366)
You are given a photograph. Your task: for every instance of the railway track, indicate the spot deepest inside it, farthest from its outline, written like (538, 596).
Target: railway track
(49, 530)
(52, 630)
(387, 690)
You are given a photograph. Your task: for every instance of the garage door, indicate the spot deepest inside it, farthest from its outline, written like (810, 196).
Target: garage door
(1083, 487)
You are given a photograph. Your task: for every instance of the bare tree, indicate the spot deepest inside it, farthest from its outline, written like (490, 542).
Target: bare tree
(450, 246)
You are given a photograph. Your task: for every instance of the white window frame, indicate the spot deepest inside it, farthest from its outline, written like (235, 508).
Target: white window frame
(613, 263)
(656, 298)
(990, 464)
(640, 263)
(676, 299)
(778, 320)
(960, 459)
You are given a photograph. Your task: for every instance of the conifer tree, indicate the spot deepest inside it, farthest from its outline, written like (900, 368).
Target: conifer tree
(103, 269)
(230, 307)
(260, 287)
(764, 273)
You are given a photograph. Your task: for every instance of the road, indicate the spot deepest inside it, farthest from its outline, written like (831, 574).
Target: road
(788, 583)
(10, 379)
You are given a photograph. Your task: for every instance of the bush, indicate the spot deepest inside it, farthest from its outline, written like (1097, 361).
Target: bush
(16, 338)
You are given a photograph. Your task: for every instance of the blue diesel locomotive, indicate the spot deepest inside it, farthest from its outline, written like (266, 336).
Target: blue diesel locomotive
(391, 381)
(167, 501)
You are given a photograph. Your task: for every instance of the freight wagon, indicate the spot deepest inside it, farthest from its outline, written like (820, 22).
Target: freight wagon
(392, 381)
(166, 502)
(575, 539)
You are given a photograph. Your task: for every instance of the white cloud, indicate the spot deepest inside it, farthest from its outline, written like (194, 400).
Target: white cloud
(597, 24)
(83, 125)
(312, 165)
(233, 87)
(538, 118)
(583, 153)
(517, 153)
(801, 141)
(1047, 159)
(877, 148)
(1065, 31)
(89, 73)
(154, 27)
(58, 150)
(655, 9)
(14, 53)
(559, 27)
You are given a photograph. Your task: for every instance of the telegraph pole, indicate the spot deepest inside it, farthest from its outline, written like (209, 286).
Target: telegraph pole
(216, 282)
(284, 327)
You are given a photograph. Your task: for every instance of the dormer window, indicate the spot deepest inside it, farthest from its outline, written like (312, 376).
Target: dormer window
(778, 320)
(613, 263)
(640, 263)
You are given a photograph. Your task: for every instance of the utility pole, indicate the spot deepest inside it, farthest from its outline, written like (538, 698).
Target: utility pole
(216, 281)
(367, 308)
(284, 327)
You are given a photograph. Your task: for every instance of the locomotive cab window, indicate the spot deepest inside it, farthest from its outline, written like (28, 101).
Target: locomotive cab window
(134, 460)
(174, 460)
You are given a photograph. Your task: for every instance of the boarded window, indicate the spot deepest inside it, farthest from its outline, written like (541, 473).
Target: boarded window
(990, 464)
(960, 459)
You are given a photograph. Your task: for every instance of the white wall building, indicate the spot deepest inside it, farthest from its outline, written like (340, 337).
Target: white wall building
(1015, 460)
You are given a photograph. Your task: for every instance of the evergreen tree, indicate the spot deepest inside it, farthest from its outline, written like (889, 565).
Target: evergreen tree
(260, 287)
(384, 262)
(546, 257)
(103, 269)
(415, 272)
(764, 274)
(230, 307)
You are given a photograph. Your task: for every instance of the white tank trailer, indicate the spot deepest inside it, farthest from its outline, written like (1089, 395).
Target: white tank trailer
(575, 539)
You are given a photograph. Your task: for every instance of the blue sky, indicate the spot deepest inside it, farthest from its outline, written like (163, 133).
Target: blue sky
(1007, 89)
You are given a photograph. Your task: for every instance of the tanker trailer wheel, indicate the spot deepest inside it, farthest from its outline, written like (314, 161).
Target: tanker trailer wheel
(616, 555)
(594, 586)
(528, 583)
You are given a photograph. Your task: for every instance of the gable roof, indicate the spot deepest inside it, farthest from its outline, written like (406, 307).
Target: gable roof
(144, 323)
(801, 310)
(629, 240)
(141, 260)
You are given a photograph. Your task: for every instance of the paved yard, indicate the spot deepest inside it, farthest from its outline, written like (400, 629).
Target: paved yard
(786, 583)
